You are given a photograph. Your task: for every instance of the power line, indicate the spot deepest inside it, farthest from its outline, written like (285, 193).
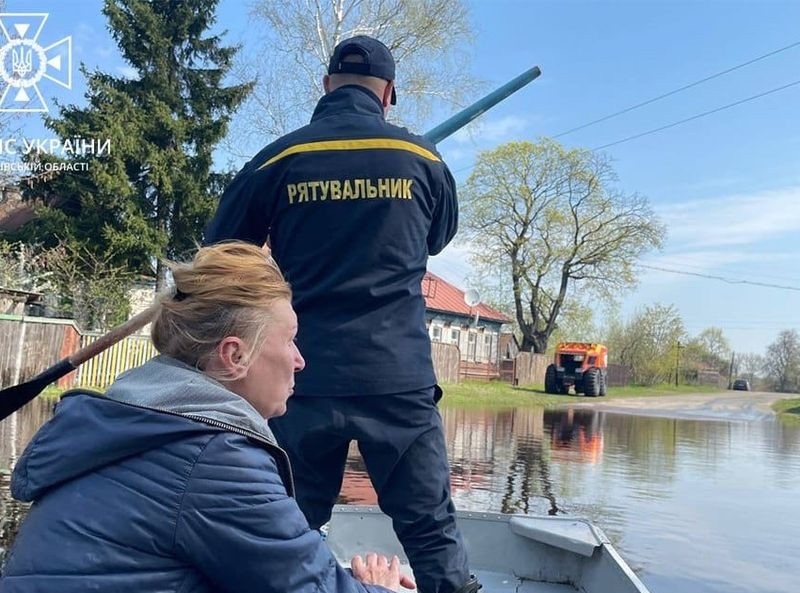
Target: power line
(741, 323)
(678, 90)
(685, 120)
(699, 115)
(681, 264)
(741, 328)
(721, 278)
(688, 119)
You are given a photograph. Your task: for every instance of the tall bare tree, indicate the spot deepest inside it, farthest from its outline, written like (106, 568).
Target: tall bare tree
(783, 362)
(430, 40)
(751, 365)
(542, 220)
(649, 343)
(710, 349)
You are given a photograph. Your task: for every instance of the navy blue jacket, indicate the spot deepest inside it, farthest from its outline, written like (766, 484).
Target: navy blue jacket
(128, 499)
(352, 207)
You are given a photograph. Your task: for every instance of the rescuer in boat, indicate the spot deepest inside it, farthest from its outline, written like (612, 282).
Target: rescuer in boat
(352, 207)
(172, 481)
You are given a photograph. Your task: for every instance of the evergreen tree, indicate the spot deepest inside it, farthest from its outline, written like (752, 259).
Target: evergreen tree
(151, 195)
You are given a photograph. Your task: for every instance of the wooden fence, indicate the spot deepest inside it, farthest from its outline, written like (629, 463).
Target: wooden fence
(446, 362)
(529, 368)
(29, 345)
(618, 375)
(478, 371)
(100, 371)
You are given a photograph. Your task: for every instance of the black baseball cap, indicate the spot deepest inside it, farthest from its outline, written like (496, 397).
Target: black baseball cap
(378, 60)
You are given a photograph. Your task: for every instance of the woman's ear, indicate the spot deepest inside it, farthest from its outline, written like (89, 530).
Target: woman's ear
(233, 358)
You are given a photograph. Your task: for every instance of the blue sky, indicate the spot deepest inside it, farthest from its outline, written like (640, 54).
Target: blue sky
(727, 185)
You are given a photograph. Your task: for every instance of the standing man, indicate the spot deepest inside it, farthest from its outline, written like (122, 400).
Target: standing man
(352, 207)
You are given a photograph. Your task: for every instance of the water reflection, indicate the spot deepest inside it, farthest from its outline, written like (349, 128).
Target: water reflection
(695, 506)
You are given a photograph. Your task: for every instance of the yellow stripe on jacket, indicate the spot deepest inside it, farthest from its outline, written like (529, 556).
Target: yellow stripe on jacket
(360, 144)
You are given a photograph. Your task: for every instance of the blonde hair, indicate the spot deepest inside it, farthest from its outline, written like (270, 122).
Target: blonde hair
(227, 290)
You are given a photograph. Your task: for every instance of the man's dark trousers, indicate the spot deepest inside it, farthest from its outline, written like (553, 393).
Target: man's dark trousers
(401, 440)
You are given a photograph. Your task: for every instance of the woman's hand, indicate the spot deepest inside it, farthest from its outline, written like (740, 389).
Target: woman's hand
(377, 570)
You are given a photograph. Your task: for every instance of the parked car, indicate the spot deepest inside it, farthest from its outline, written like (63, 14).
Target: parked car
(741, 385)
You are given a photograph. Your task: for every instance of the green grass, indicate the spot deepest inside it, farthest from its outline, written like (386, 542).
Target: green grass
(502, 395)
(495, 394)
(788, 410)
(52, 392)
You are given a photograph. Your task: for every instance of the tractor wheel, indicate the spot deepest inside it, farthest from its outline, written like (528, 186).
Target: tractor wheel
(550, 385)
(591, 382)
(603, 384)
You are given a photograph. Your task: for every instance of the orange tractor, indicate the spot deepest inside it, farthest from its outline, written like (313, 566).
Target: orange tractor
(581, 365)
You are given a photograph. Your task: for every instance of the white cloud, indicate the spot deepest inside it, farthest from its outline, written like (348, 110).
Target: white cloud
(482, 134)
(491, 130)
(743, 220)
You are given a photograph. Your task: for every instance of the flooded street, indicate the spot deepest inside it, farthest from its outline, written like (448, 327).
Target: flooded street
(695, 506)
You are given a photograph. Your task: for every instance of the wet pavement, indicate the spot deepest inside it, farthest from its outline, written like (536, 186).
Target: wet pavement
(726, 405)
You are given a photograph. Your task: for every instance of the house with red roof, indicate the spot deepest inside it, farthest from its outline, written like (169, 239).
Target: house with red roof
(475, 330)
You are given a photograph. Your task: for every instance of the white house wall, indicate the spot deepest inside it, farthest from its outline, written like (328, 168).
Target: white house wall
(441, 328)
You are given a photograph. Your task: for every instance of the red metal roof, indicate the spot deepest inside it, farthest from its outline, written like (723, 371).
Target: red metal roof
(442, 296)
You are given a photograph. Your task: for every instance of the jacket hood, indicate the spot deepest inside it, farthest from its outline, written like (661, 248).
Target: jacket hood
(148, 407)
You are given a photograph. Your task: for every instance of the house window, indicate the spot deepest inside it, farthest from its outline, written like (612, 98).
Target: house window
(472, 343)
(455, 336)
(436, 333)
(487, 347)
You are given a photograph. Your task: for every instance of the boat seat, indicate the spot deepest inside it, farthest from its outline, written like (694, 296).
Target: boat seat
(568, 534)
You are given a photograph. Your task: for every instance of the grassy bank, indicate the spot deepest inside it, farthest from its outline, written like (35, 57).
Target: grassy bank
(480, 394)
(788, 410)
(503, 395)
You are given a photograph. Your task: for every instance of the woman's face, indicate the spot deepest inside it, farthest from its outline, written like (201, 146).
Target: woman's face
(269, 380)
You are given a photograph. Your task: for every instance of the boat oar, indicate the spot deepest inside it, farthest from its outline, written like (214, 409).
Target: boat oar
(462, 118)
(13, 398)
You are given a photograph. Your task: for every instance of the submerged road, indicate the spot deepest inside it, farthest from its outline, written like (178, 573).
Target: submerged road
(725, 405)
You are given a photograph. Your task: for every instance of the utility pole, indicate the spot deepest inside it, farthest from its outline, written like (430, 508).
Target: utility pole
(677, 361)
(730, 371)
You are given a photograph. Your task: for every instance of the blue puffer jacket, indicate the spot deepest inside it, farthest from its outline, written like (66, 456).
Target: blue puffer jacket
(192, 497)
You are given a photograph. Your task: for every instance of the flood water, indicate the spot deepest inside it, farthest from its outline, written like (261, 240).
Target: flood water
(693, 506)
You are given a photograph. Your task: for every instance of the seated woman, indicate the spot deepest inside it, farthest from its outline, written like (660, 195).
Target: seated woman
(172, 481)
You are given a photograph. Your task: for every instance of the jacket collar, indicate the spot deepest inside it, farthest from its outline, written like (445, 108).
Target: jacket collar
(349, 98)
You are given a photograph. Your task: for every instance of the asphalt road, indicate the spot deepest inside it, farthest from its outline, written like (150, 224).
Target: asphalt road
(728, 405)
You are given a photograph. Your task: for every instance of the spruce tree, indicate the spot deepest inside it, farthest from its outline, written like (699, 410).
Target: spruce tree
(151, 196)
